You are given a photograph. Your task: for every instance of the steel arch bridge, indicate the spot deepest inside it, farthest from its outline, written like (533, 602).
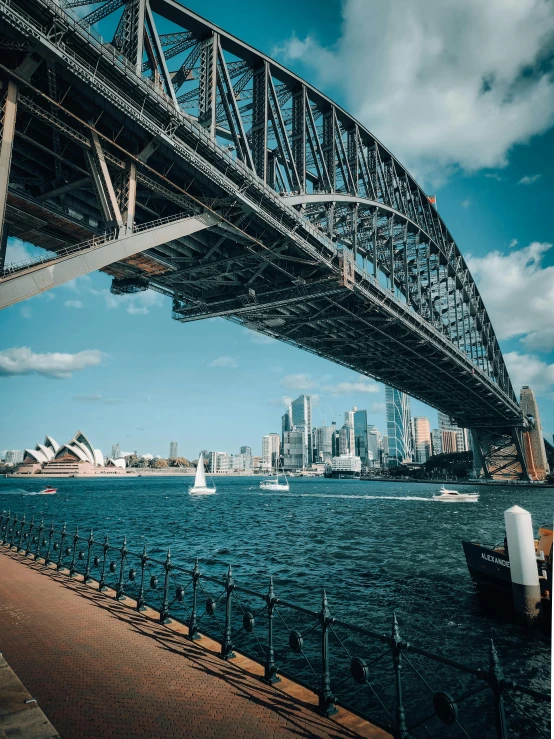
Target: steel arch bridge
(144, 141)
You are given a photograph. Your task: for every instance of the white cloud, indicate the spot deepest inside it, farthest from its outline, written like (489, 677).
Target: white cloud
(23, 361)
(136, 304)
(513, 242)
(527, 369)
(495, 176)
(21, 251)
(300, 382)
(540, 341)
(361, 385)
(224, 361)
(529, 179)
(307, 383)
(284, 401)
(441, 84)
(73, 304)
(466, 203)
(26, 311)
(377, 408)
(517, 290)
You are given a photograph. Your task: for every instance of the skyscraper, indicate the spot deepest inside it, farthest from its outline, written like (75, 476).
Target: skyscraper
(323, 443)
(399, 426)
(360, 435)
(246, 450)
(14, 456)
(301, 409)
(286, 424)
(436, 443)
(270, 451)
(294, 450)
(173, 450)
(422, 439)
(374, 444)
(347, 443)
(535, 452)
(447, 424)
(116, 452)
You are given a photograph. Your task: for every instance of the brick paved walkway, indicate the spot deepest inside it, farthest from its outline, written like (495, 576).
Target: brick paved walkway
(99, 669)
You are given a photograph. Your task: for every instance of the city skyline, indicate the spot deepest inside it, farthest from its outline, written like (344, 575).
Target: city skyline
(105, 376)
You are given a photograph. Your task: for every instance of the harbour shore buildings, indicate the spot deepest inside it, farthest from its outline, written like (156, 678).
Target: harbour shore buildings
(422, 439)
(399, 427)
(446, 428)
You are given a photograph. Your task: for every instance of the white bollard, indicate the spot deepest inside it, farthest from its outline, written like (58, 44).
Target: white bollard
(523, 562)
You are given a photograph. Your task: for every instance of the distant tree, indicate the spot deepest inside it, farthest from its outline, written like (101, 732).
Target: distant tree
(179, 462)
(132, 460)
(158, 463)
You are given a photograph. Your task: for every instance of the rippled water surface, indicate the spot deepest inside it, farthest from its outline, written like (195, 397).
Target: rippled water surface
(375, 547)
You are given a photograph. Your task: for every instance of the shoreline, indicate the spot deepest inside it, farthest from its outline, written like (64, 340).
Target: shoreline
(485, 483)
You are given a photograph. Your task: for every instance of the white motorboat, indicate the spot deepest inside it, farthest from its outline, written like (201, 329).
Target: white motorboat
(200, 486)
(273, 485)
(453, 496)
(48, 491)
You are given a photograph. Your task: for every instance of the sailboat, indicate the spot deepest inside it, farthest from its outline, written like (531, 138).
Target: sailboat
(274, 485)
(200, 487)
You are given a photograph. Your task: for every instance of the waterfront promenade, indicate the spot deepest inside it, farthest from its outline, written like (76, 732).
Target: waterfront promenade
(97, 668)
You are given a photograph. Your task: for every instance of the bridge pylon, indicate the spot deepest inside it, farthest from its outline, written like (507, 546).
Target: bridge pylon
(499, 453)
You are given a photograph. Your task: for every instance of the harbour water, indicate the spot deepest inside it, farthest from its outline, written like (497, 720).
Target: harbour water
(376, 548)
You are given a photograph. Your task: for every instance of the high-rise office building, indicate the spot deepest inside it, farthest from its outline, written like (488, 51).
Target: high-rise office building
(449, 442)
(436, 443)
(360, 435)
(246, 450)
(286, 424)
(271, 444)
(347, 443)
(447, 424)
(422, 439)
(374, 444)
(302, 420)
(399, 427)
(294, 450)
(535, 453)
(335, 439)
(323, 444)
(116, 451)
(14, 456)
(173, 450)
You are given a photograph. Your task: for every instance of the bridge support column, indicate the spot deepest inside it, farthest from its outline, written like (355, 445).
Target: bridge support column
(9, 110)
(498, 453)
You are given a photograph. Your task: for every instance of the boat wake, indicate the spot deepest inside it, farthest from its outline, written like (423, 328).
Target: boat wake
(350, 497)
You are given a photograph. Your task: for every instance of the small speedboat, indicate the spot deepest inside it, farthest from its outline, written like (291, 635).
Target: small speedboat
(455, 496)
(48, 491)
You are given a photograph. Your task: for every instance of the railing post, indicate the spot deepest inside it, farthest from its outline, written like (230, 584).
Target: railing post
(227, 646)
(193, 621)
(90, 542)
(119, 590)
(39, 538)
(13, 530)
(140, 598)
(164, 612)
(60, 555)
(496, 682)
(20, 535)
(50, 537)
(270, 668)
(105, 548)
(30, 537)
(5, 527)
(396, 645)
(72, 569)
(326, 697)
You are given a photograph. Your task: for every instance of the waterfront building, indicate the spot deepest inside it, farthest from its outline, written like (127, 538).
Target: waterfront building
(346, 440)
(447, 424)
(294, 450)
(286, 424)
(301, 410)
(271, 444)
(219, 463)
(535, 451)
(241, 462)
(116, 451)
(436, 444)
(422, 439)
(399, 427)
(256, 465)
(76, 458)
(323, 445)
(246, 450)
(173, 450)
(335, 439)
(374, 444)
(346, 465)
(14, 456)
(359, 423)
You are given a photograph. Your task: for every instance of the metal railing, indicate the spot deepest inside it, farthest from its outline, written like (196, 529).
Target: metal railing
(382, 678)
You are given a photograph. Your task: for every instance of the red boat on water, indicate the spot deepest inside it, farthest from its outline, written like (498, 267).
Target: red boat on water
(48, 491)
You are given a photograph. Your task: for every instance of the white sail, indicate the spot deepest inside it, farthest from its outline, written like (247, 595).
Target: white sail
(200, 479)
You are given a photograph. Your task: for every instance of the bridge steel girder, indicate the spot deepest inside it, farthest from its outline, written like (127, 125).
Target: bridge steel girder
(303, 172)
(39, 278)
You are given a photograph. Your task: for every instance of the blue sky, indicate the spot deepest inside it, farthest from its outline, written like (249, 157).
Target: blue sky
(465, 109)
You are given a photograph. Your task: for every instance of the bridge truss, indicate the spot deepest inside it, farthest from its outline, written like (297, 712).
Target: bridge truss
(122, 117)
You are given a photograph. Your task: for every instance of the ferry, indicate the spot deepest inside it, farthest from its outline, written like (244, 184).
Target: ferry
(489, 565)
(453, 496)
(48, 491)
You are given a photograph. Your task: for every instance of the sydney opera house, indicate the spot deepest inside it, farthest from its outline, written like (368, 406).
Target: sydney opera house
(75, 459)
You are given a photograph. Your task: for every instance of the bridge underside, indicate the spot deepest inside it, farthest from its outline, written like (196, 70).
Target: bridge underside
(345, 258)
